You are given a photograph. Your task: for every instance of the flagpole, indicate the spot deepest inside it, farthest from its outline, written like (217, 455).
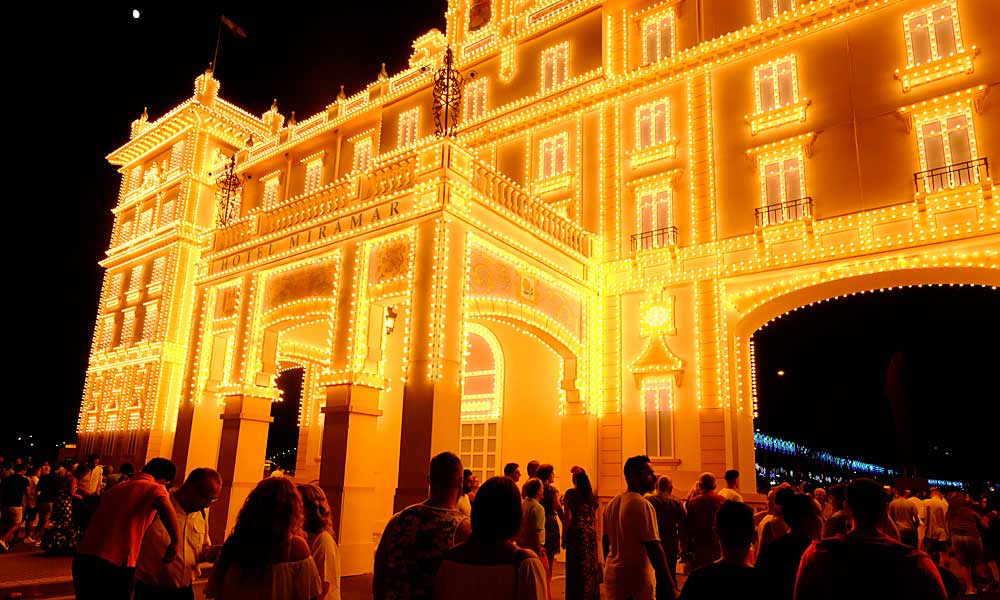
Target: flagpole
(218, 38)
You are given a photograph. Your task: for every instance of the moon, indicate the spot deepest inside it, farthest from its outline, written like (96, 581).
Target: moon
(135, 13)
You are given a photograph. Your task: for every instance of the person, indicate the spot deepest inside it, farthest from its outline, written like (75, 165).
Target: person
(465, 500)
(416, 539)
(13, 491)
(935, 510)
(731, 576)
(81, 505)
(731, 491)
(635, 566)
(46, 492)
(865, 562)
(31, 506)
(700, 543)
(62, 536)
(914, 498)
(964, 526)
(823, 500)
(318, 527)
(264, 558)
(105, 561)
(531, 534)
(533, 468)
(583, 568)
(905, 516)
(773, 526)
(839, 521)
(490, 566)
(671, 519)
(157, 579)
(512, 471)
(90, 484)
(778, 562)
(554, 514)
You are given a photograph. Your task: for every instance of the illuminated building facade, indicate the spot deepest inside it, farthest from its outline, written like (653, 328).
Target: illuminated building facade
(633, 190)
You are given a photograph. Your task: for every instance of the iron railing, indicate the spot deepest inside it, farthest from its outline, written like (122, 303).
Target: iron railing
(952, 176)
(657, 238)
(781, 212)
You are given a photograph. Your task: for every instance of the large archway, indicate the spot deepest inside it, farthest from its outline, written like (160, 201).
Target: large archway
(753, 308)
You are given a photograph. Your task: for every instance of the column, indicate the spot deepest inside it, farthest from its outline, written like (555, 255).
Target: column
(346, 474)
(242, 449)
(432, 394)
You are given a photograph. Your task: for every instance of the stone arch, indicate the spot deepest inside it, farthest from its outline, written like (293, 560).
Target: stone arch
(548, 330)
(750, 312)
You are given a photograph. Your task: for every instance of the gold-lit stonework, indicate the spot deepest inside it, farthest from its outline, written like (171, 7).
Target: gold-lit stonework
(632, 190)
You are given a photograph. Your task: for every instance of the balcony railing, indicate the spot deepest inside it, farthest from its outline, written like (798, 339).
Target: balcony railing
(657, 238)
(952, 176)
(781, 212)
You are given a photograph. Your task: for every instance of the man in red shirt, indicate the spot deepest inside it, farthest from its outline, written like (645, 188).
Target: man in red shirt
(701, 542)
(865, 563)
(104, 567)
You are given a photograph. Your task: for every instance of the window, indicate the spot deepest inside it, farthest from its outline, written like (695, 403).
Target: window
(770, 8)
(654, 216)
(150, 321)
(658, 405)
(408, 122)
(480, 13)
(145, 222)
(474, 99)
(482, 402)
(106, 333)
(125, 231)
(133, 433)
(652, 124)
(135, 178)
(115, 284)
(167, 211)
(177, 156)
(555, 63)
(782, 183)
(362, 159)
(946, 143)
(128, 327)
(777, 84)
(932, 33)
(269, 197)
(657, 37)
(158, 270)
(135, 279)
(314, 175)
(552, 156)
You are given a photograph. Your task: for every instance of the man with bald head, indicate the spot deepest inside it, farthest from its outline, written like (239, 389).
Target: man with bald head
(157, 579)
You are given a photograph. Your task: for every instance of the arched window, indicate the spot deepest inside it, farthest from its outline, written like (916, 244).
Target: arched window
(482, 402)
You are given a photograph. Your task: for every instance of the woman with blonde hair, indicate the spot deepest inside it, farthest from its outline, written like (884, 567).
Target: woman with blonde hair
(263, 558)
(318, 528)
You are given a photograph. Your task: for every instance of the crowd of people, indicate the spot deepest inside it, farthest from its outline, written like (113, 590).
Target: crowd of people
(134, 537)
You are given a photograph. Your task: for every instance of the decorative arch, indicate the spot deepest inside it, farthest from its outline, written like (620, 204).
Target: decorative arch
(753, 310)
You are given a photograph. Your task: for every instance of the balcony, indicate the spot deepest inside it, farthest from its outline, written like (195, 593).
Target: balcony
(952, 176)
(783, 212)
(657, 238)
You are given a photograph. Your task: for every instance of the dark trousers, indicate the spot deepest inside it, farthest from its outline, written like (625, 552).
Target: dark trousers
(148, 592)
(96, 579)
(672, 566)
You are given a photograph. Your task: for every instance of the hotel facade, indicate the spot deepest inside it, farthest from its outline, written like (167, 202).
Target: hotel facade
(575, 275)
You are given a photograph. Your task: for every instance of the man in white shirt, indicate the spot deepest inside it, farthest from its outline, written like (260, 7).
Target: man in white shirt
(159, 580)
(935, 529)
(90, 484)
(732, 485)
(635, 567)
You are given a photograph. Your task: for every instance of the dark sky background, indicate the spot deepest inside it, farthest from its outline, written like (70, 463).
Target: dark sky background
(836, 356)
(92, 69)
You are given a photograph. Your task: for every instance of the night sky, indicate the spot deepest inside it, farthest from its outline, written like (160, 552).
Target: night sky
(93, 69)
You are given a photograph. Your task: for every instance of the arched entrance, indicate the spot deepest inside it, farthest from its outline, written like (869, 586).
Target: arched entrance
(751, 308)
(902, 376)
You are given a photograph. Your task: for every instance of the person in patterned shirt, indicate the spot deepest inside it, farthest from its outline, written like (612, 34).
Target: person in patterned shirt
(416, 539)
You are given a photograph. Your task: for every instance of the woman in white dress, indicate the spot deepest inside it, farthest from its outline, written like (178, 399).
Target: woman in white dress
(262, 558)
(490, 566)
(317, 525)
